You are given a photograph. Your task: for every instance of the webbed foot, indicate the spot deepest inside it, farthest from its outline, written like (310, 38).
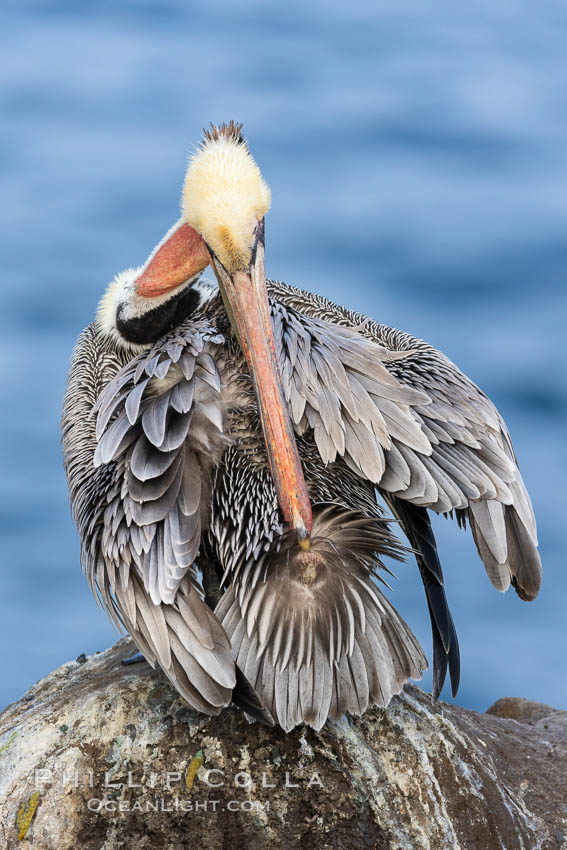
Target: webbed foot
(134, 659)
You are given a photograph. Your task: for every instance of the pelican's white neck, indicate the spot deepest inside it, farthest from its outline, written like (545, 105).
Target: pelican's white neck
(136, 321)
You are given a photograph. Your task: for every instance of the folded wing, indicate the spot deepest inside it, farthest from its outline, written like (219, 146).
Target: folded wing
(405, 417)
(140, 496)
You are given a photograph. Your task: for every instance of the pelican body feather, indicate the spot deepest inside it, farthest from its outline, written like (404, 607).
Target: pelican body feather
(225, 449)
(166, 467)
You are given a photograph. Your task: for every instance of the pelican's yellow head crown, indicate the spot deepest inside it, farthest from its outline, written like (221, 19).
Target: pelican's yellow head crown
(225, 195)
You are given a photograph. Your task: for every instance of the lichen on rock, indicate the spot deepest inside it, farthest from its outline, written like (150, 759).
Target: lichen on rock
(99, 756)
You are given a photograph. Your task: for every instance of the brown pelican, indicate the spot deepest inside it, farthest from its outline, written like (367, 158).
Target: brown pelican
(224, 448)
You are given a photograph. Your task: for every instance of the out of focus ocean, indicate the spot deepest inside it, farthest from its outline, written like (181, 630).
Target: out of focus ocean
(417, 154)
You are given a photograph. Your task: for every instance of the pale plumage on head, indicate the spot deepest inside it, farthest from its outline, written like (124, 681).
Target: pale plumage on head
(225, 195)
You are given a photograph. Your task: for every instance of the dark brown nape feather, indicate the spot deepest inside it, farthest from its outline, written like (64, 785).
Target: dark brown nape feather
(231, 131)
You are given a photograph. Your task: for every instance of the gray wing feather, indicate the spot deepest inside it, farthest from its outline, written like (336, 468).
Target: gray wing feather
(406, 418)
(136, 500)
(162, 473)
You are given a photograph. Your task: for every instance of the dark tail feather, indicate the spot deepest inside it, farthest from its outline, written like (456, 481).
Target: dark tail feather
(417, 527)
(247, 700)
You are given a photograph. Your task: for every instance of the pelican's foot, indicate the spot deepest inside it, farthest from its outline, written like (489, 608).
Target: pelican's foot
(134, 659)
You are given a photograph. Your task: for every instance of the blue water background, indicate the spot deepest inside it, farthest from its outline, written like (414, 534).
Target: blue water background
(417, 154)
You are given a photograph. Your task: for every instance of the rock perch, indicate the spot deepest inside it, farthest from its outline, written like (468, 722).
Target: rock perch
(99, 756)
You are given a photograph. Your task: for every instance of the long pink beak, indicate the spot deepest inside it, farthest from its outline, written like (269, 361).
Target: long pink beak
(180, 255)
(183, 254)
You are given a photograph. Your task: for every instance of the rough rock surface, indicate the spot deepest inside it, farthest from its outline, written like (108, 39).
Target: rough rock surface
(99, 756)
